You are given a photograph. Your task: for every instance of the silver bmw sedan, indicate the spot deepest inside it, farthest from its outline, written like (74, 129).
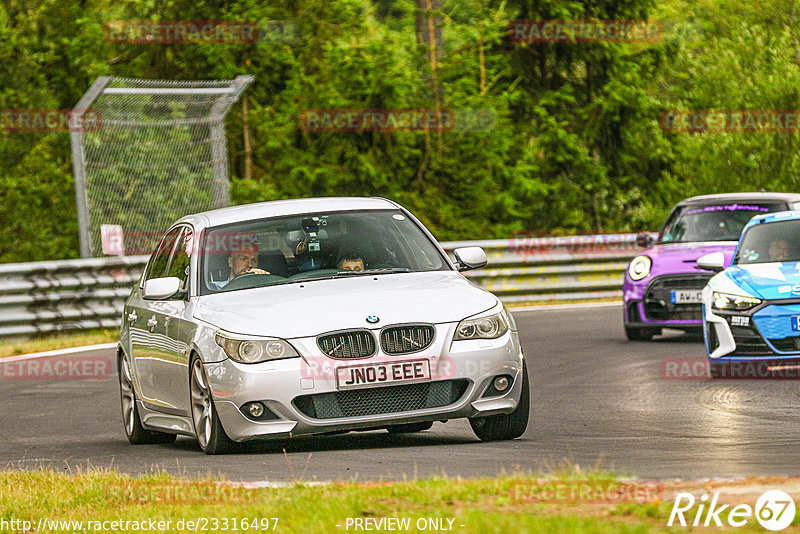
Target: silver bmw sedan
(314, 316)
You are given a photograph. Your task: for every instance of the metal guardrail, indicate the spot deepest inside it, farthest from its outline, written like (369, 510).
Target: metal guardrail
(53, 296)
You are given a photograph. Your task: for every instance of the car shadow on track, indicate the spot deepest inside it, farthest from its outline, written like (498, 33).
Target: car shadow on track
(676, 336)
(344, 442)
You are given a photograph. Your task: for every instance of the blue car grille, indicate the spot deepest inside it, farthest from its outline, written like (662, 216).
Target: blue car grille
(775, 324)
(748, 342)
(787, 344)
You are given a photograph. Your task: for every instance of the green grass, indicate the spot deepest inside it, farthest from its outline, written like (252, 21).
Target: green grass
(55, 341)
(481, 505)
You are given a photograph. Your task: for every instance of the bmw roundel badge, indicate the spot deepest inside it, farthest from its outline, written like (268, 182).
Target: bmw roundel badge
(373, 319)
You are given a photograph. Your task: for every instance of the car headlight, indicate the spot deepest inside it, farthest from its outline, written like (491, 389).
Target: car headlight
(639, 267)
(487, 327)
(728, 301)
(248, 349)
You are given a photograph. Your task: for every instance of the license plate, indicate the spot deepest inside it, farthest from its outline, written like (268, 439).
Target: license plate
(796, 322)
(686, 296)
(379, 374)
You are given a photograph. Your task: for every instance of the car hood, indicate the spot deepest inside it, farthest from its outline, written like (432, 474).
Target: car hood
(671, 258)
(767, 280)
(310, 308)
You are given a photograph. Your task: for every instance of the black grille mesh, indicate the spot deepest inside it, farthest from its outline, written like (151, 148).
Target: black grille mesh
(350, 344)
(407, 338)
(748, 342)
(789, 344)
(382, 400)
(657, 302)
(713, 341)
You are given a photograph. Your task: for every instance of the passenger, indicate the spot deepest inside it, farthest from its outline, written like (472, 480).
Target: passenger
(351, 262)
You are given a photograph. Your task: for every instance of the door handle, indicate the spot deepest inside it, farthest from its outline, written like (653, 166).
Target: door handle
(132, 317)
(152, 322)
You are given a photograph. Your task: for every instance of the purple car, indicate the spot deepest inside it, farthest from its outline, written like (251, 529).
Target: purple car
(663, 285)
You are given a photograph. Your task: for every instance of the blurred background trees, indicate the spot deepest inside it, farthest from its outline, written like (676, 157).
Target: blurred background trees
(560, 138)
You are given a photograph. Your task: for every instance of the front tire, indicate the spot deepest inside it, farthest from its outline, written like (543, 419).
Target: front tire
(136, 433)
(207, 426)
(506, 426)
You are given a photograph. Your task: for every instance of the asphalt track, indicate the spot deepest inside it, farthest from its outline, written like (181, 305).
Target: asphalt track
(598, 401)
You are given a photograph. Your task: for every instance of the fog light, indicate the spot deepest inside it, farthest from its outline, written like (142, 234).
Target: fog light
(501, 383)
(256, 409)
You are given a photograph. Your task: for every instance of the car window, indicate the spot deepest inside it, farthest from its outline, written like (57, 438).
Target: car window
(157, 267)
(770, 242)
(181, 258)
(295, 248)
(713, 221)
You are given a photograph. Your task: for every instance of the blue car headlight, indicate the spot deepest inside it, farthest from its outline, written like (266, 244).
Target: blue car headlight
(729, 301)
(639, 267)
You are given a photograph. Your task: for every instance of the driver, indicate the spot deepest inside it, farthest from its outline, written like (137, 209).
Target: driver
(714, 228)
(778, 250)
(242, 261)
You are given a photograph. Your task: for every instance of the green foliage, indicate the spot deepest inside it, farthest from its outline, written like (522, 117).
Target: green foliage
(572, 143)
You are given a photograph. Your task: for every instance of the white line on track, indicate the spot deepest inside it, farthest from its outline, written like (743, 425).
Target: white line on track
(59, 352)
(551, 307)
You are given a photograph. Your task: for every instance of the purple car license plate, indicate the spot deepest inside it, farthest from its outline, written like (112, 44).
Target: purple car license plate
(686, 296)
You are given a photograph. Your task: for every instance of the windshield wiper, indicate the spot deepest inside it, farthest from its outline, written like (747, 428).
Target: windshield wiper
(386, 270)
(344, 274)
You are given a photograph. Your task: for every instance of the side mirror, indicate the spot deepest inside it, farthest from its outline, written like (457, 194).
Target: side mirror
(645, 240)
(469, 258)
(712, 262)
(161, 288)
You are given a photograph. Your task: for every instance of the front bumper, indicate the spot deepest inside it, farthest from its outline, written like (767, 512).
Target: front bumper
(761, 333)
(649, 302)
(302, 396)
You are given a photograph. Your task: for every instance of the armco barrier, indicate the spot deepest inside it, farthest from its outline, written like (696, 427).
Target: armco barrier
(52, 296)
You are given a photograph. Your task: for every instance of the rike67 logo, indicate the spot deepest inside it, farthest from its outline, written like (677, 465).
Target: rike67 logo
(774, 510)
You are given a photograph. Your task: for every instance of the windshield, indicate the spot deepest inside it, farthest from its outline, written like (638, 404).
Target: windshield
(293, 249)
(770, 242)
(712, 222)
